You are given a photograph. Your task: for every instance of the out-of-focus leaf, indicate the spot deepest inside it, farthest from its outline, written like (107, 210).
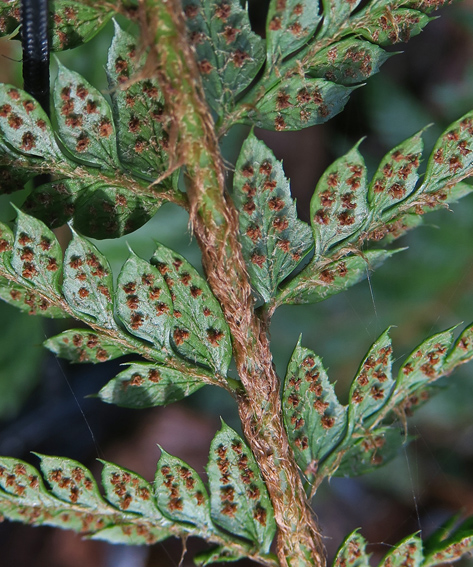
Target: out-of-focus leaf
(336, 12)
(462, 350)
(448, 544)
(406, 552)
(273, 239)
(352, 552)
(239, 499)
(144, 385)
(217, 554)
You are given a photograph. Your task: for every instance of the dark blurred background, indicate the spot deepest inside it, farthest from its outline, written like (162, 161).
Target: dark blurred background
(425, 289)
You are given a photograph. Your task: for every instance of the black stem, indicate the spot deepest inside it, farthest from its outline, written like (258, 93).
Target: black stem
(35, 42)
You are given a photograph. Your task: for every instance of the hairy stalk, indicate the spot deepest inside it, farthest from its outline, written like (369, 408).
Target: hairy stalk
(215, 224)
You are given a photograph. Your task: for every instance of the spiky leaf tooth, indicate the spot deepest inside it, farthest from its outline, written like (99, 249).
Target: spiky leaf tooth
(144, 385)
(314, 418)
(84, 346)
(144, 304)
(71, 23)
(397, 175)
(368, 452)
(128, 491)
(338, 207)
(36, 255)
(229, 54)
(84, 120)
(385, 26)
(289, 25)
(373, 382)
(239, 499)
(138, 109)
(181, 494)
(72, 482)
(462, 350)
(315, 283)
(449, 543)
(349, 61)
(352, 552)
(25, 130)
(88, 282)
(273, 239)
(219, 554)
(406, 552)
(200, 332)
(451, 159)
(28, 300)
(424, 365)
(296, 103)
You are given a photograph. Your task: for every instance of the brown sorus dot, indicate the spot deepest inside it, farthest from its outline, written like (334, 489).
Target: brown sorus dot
(207, 311)
(195, 291)
(357, 397)
(279, 123)
(321, 217)
(302, 442)
(121, 66)
(227, 494)
(320, 406)
(326, 276)
(258, 259)
(295, 28)
(77, 340)
(154, 293)
(282, 101)
(254, 233)
(83, 143)
(222, 11)
(140, 146)
(81, 92)
(136, 321)
(91, 107)
(379, 186)
(327, 422)
(133, 124)
(275, 24)
(303, 96)
(376, 393)
(284, 245)
(28, 142)
(205, 67)
(5, 110)
(185, 278)
(239, 58)
(83, 292)
(154, 375)
(191, 11)
(92, 341)
(276, 204)
(293, 399)
(342, 269)
(27, 254)
(29, 270)
(132, 302)
(15, 121)
(270, 185)
(13, 94)
(229, 509)
(24, 239)
(105, 128)
(249, 207)
(73, 120)
(230, 34)
(15, 295)
(249, 189)
(45, 243)
(346, 219)
(397, 191)
(280, 224)
(161, 309)
(129, 287)
(180, 335)
(52, 265)
(214, 336)
(81, 276)
(298, 10)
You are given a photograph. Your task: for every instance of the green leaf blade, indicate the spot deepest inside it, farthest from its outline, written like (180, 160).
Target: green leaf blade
(239, 499)
(138, 108)
(273, 239)
(84, 346)
(352, 552)
(181, 494)
(144, 303)
(229, 53)
(338, 207)
(88, 282)
(408, 551)
(144, 385)
(29, 301)
(200, 332)
(37, 255)
(84, 120)
(289, 25)
(314, 418)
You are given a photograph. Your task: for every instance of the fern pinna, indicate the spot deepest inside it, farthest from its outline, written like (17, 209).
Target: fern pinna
(176, 88)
